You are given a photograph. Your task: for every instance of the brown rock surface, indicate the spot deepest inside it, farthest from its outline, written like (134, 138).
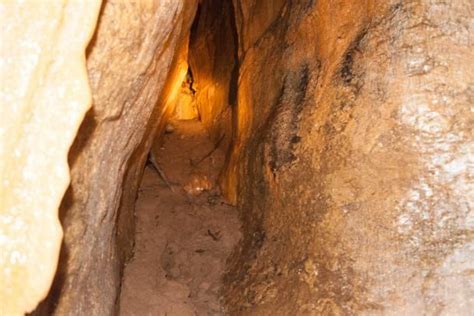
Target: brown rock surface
(354, 151)
(44, 95)
(212, 57)
(129, 60)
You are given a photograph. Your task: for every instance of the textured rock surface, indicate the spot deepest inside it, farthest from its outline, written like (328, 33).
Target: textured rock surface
(352, 157)
(354, 150)
(185, 107)
(212, 55)
(44, 95)
(129, 59)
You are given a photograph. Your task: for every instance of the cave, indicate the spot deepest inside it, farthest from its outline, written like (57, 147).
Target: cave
(244, 157)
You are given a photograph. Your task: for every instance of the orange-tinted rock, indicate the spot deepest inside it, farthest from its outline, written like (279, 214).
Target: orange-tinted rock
(212, 55)
(352, 150)
(129, 59)
(44, 95)
(185, 107)
(354, 154)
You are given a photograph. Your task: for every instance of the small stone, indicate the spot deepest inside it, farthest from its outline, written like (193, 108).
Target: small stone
(169, 128)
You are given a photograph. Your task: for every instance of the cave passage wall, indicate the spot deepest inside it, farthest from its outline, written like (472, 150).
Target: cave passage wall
(43, 93)
(212, 59)
(351, 154)
(135, 50)
(353, 158)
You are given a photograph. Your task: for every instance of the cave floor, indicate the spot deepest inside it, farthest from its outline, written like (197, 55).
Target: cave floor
(182, 238)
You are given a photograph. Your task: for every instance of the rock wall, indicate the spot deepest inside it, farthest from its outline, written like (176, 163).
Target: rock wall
(44, 95)
(129, 60)
(354, 155)
(212, 57)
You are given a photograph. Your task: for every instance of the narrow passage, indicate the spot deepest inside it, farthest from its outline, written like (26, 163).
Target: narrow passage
(183, 235)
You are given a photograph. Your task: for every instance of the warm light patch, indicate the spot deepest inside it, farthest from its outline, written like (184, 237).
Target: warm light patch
(186, 105)
(173, 93)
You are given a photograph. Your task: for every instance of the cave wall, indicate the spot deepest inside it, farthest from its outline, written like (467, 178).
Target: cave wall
(44, 95)
(135, 46)
(212, 57)
(353, 158)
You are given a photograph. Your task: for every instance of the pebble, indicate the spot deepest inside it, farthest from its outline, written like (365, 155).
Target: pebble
(169, 128)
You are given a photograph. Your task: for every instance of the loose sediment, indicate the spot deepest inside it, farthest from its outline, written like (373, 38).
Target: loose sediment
(183, 236)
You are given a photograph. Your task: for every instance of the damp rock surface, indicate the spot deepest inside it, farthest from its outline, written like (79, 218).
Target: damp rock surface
(182, 238)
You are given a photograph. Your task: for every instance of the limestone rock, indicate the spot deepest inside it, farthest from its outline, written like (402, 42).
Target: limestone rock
(351, 158)
(212, 58)
(354, 154)
(44, 95)
(185, 108)
(129, 60)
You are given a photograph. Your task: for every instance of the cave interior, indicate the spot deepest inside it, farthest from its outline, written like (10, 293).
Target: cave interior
(244, 157)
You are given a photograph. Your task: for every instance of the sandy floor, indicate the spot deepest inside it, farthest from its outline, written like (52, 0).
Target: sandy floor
(182, 240)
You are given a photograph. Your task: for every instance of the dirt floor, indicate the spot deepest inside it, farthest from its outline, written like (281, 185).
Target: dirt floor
(183, 235)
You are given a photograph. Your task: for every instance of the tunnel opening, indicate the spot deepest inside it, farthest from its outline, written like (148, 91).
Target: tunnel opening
(185, 229)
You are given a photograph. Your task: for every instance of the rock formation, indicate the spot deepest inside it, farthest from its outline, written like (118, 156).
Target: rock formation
(354, 158)
(212, 58)
(135, 46)
(351, 153)
(44, 95)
